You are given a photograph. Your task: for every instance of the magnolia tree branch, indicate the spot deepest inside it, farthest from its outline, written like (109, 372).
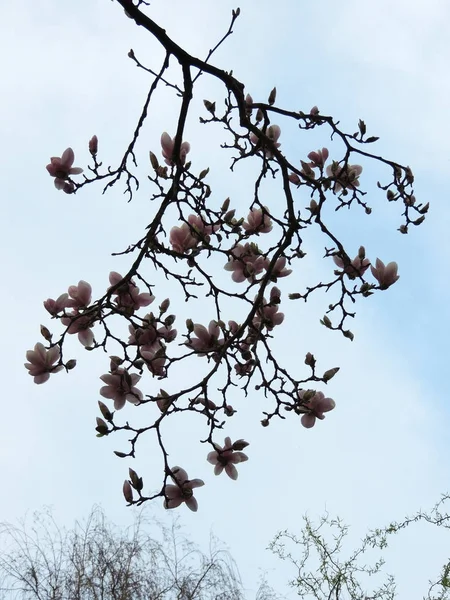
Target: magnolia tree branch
(191, 235)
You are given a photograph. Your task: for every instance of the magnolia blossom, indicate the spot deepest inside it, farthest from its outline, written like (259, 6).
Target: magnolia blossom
(206, 340)
(127, 294)
(81, 324)
(279, 269)
(181, 238)
(56, 306)
(316, 406)
(345, 177)
(258, 221)
(167, 144)
(182, 490)
(273, 132)
(148, 335)
(42, 362)
(319, 158)
(294, 178)
(120, 387)
(61, 168)
(80, 295)
(227, 457)
(268, 316)
(246, 263)
(356, 268)
(155, 358)
(386, 275)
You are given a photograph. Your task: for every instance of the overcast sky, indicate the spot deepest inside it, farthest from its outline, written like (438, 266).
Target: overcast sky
(383, 452)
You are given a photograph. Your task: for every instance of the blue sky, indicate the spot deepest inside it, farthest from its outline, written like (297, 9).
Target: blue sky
(383, 452)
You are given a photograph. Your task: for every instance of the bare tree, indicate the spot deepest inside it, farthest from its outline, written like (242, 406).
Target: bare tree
(96, 560)
(326, 570)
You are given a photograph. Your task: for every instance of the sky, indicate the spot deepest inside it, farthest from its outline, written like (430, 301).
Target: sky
(383, 452)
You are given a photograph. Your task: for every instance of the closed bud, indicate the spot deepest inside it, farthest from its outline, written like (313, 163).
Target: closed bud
(390, 195)
(259, 115)
(310, 360)
(272, 96)
(93, 145)
(120, 454)
(169, 321)
(409, 175)
(225, 205)
(330, 374)
(326, 321)
(403, 229)
(46, 333)
(190, 325)
(136, 481)
(71, 364)
(265, 422)
(105, 411)
(295, 296)
(154, 161)
(164, 305)
(419, 220)
(362, 253)
(313, 207)
(229, 215)
(424, 208)
(314, 111)
(240, 445)
(368, 210)
(204, 173)
(348, 334)
(102, 427)
(229, 410)
(115, 362)
(210, 106)
(127, 492)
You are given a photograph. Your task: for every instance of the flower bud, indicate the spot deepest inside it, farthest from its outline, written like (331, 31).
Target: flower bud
(154, 161)
(310, 360)
(229, 410)
(71, 364)
(314, 111)
(330, 374)
(326, 321)
(105, 411)
(127, 491)
(362, 253)
(164, 305)
(265, 422)
(102, 427)
(46, 333)
(272, 96)
(259, 115)
(190, 325)
(93, 145)
(210, 106)
(136, 481)
(240, 445)
(403, 229)
(348, 334)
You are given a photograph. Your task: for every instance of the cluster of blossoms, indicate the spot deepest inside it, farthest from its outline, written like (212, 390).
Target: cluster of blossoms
(149, 335)
(342, 177)
(386, 275)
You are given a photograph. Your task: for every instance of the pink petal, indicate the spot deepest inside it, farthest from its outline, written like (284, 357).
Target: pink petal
(192, 503)
(231, 471)
(195, 483)
(42, 378)
(308, 420)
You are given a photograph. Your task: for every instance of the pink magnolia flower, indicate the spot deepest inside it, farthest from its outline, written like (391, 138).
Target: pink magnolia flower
(61, 168)
(80, 295)
(246, 263)
(319, 158)
(258, 221)
(56, 306)
(268, 317)
(181, 238)
(127, 294)
(294, 178)
(81, 324)
(42, 362)
(273, 132)
(167, 144)
(227, 457)
(150, 336)
(206, 340)
(355, 269)
(182, 490)
(279, 269)
(386, 275)
(155, 358)
(345, 177)
(120, 387)
(316, 406)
